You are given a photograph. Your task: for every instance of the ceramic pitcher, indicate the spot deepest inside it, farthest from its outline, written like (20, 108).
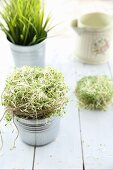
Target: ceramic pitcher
(94, 37)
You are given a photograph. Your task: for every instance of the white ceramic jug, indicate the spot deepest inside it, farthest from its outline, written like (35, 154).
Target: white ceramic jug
(94, 37)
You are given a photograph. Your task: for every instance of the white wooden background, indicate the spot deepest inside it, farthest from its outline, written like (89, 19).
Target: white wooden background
(85, 140)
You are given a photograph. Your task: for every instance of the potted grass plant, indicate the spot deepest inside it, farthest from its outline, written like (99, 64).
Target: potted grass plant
(35, 97)
(26, 26)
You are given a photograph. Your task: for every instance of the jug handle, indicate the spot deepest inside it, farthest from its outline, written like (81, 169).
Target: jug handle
(74, 25)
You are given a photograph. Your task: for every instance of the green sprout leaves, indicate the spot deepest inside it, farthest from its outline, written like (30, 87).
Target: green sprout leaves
(35, 93)
(94, 92)
(24, 21)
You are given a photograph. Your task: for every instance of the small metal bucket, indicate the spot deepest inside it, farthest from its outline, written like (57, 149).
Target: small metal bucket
(33, 55)
(38, 132)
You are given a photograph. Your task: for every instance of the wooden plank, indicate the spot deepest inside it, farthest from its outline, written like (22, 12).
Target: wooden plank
(22, 156)
(65, 152)
(96, 130)
(97, 139)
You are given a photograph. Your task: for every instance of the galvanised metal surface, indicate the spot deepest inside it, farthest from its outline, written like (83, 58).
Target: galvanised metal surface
(29, 55)
(38, 132)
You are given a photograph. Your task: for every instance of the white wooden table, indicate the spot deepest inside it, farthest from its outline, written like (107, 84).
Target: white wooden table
(85, 141)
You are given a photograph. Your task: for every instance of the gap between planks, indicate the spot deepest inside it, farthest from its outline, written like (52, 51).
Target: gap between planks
(81, 138)
(34, 157)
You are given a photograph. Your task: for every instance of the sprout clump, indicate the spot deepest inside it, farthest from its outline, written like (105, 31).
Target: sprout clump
(94, 92)
(35, 93)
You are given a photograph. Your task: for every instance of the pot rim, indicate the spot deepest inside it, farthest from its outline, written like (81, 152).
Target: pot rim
(27, 48)
(36, 121)
(96, 28)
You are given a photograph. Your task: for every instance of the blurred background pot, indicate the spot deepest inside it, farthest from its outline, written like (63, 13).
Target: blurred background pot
(38, 132)
(33, 55)
(94, 37)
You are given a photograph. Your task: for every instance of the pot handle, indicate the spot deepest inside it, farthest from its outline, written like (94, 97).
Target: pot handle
(74, 25)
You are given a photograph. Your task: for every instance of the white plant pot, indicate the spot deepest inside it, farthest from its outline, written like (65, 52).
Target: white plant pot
(38, 132)
(94, 37)
(29, 55)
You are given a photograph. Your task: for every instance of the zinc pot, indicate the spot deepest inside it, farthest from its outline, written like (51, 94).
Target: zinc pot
(38, 132)
(33, 55)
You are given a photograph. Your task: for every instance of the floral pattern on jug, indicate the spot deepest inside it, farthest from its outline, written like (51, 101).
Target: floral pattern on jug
(100, 46)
